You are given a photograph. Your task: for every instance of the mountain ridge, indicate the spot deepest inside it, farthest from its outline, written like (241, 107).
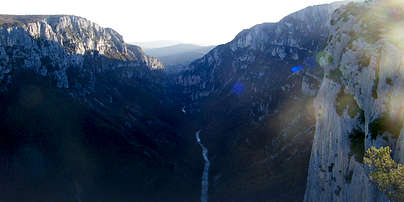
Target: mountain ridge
(177, 57)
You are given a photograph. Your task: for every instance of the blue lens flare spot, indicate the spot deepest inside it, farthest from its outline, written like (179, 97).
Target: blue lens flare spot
(238, 88)
(297, 68)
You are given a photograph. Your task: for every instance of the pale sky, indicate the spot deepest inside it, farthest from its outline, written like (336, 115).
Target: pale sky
(205, 22)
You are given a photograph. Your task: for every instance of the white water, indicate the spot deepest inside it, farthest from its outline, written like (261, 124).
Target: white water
(205, 175)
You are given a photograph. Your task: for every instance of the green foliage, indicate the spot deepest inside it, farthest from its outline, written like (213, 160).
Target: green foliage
(335, 75)
(375, 86)
(364, 61)
(376, 127)
(357, 144)
(351, 9)
(376, 81)
(373, 30)
(344, 101)
(353, 37)
(385, 172)
(385, 123)
(333, 22)
(389, 81)
(330, 59)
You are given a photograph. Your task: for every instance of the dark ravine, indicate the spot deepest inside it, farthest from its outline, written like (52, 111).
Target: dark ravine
(88, 117)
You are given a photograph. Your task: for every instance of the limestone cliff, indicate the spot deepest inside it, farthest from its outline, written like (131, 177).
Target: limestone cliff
(360, 101)
(54, 45)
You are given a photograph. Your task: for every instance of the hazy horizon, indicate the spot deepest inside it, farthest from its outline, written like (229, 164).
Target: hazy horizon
(205, 22)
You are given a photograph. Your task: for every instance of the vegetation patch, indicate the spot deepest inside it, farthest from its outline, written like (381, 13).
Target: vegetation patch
(344, 101)
(351, 9)
(373, 31)
(330, 59)
(338, 190)
(385, 123)
(376, 83)
(364, 61)
(331, 167)
(357, 144)
(348, 177)
(333, 22)
(385, 172)
(389, 81)
(353, 37)
(335, 75)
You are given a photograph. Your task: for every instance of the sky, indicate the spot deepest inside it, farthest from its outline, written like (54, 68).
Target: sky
(203, 22)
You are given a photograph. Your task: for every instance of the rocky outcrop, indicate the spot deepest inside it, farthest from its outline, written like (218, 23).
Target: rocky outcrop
(359, 103)
(291, 40)
(54, 45)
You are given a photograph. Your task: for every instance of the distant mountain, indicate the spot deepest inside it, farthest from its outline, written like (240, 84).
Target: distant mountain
(179, 55)
(156, 44)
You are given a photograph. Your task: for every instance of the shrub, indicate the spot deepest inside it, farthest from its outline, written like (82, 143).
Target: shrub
(389, 81)
(385, 172)
(335, 75)
(364, 61)
(375, 86)
(330, 59)
(332, 22)
(385, 123)
(357, 144)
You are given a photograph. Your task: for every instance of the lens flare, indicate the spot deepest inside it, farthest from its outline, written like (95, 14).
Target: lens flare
(323, 58)
(238, 88)
(297, 68)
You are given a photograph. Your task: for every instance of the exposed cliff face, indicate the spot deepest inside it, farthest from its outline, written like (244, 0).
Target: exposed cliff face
(255, 111)
(54, 45)
(360, 101)
(288, 42)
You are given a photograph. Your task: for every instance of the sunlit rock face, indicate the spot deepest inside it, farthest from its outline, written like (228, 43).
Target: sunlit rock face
(288, 43)
(254, 98)
(53, 46)
(360, 101)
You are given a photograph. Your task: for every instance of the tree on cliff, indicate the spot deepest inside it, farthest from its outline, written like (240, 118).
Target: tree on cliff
(385, 172)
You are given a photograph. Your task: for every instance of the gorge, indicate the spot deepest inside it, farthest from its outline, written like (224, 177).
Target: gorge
(286, 110)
